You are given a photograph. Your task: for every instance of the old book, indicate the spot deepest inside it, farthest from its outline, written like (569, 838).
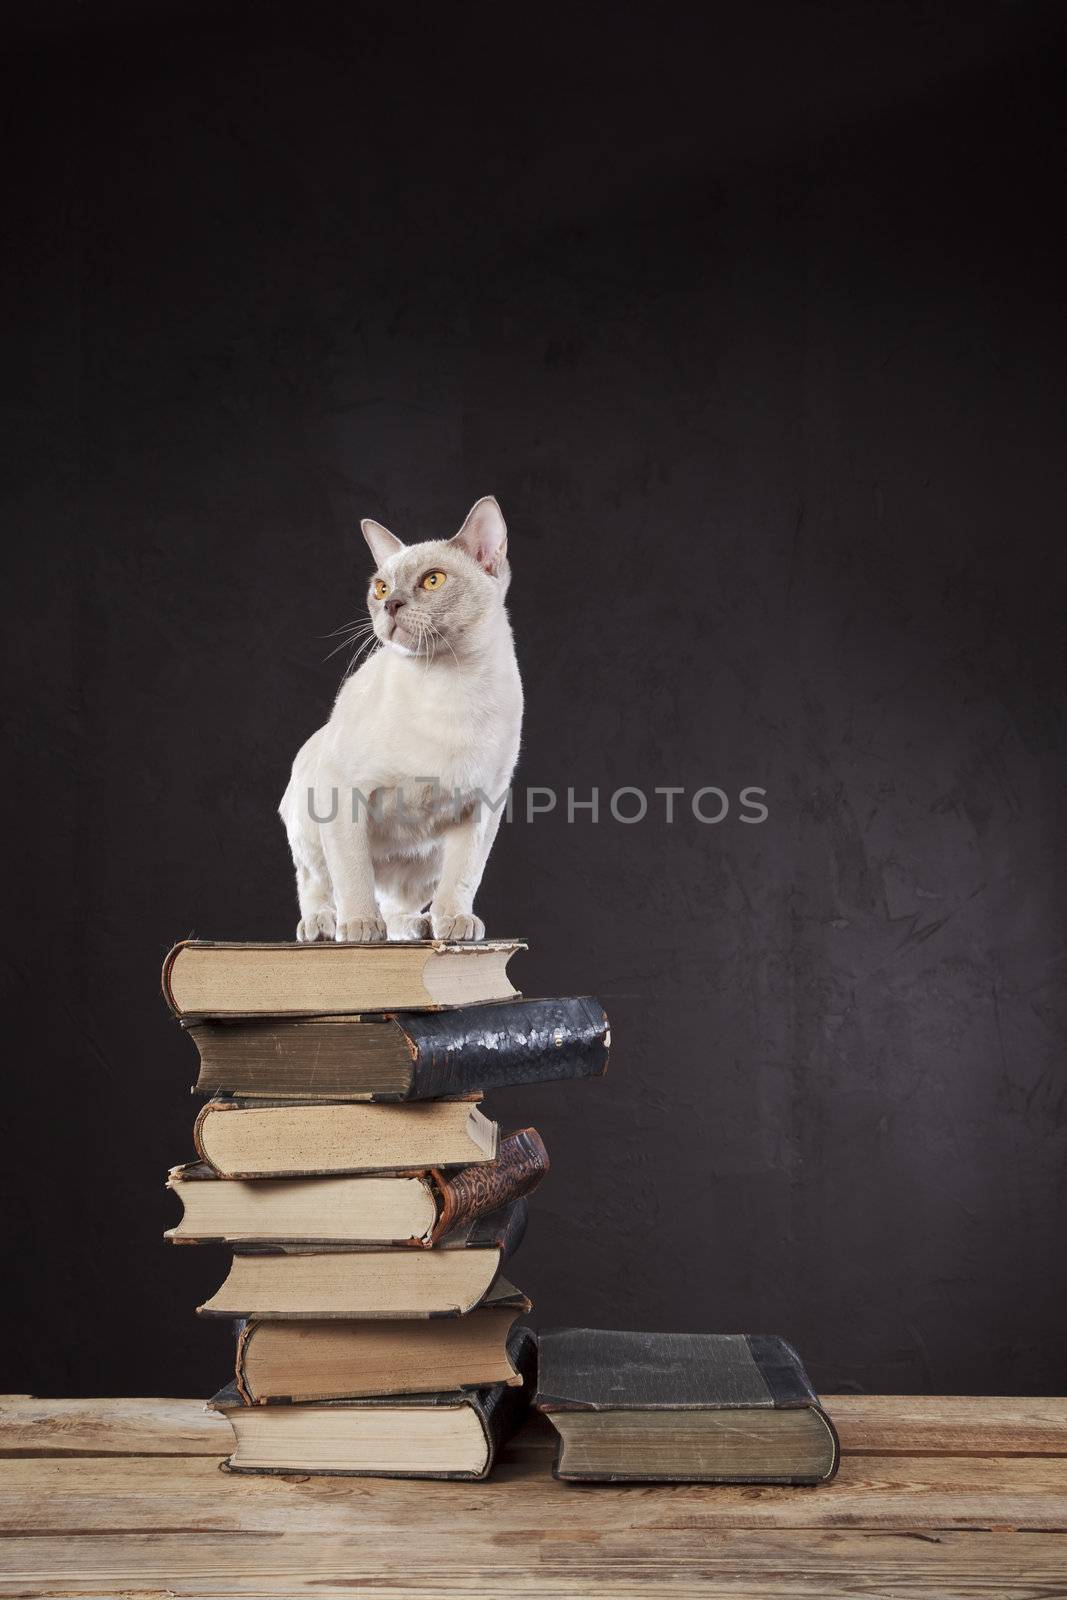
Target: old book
(241, 1140)
(205, 978)
(336, 1360)
(453, 1434)
(320, 1284)
(419, 1209)
(682, 1407)
(405, 1055)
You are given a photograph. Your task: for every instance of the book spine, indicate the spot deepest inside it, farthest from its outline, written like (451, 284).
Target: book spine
(201, 1116)
(209, 1109)
(243, 1328)
(781, 1370)
(503, 1409)
(521, 1163)
(168, 965)
(501, 1230)
(495, 1046)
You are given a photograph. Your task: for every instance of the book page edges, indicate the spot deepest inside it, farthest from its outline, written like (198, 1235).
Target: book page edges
(447, 976)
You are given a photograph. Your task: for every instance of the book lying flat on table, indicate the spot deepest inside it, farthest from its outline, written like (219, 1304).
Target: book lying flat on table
(299, 1140)
(316, 1284)
(206, 978)
(336, 1360)
(682, 1407)
(419, 1209)
(406, 1055)
(455, 1434)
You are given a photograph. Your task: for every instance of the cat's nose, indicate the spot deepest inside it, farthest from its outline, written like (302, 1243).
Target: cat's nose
(393, 604)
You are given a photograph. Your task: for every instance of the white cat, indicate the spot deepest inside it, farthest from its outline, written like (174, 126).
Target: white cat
(409, 774)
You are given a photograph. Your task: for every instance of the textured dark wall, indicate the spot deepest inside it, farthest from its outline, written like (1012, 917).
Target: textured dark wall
(753, 324)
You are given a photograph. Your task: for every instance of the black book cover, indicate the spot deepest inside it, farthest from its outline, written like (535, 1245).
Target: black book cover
(398, 1056)
(500, 1410)
(592, 1369)
(497, 1046)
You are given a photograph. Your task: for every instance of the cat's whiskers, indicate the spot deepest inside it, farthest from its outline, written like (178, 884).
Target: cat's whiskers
(426, 634)
(421, 640)
(436, 635)
(350, 638)
(355, 622)
(354, 631)
(372, 639)
(426, 639)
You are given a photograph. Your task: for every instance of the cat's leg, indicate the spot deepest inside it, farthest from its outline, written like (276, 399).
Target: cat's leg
(404, 891)
(317, 918)
(466, 850)
(346, 845)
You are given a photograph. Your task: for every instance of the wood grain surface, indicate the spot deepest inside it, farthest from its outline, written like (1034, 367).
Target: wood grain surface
(936, 1497)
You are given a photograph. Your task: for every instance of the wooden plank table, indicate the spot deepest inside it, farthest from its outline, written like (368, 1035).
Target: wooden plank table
(944, 1497)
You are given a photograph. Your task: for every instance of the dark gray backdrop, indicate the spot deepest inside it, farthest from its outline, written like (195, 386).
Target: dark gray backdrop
(752, 321)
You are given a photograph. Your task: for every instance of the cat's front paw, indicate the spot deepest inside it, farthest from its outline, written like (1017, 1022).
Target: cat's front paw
(361, 930)
(320, 925)
(455, 928)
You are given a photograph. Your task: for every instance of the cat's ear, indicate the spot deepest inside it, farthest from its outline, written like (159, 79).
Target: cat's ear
(484, 535)
(383, 544)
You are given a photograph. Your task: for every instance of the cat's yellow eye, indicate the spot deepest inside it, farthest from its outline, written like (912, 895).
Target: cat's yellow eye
(435, 580)
(381, 588)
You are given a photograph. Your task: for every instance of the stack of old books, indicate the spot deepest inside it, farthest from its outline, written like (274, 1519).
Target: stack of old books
(370, 1203)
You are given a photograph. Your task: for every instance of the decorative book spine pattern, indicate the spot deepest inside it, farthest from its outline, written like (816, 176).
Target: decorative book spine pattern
(521, 1163)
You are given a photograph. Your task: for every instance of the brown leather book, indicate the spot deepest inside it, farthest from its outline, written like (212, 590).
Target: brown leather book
(304, 1361)
(422, 1208)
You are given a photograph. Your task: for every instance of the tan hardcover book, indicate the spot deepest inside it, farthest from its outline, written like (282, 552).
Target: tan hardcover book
(415, 1209)
(296, 1140)
(335, 1360)
(313, 1285)
(454, 1433)
(205, 978)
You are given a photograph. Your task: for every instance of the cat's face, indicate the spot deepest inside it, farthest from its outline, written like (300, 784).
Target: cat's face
(435, 599)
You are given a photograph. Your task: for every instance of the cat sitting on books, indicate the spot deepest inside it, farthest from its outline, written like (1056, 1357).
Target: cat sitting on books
(393, 806)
